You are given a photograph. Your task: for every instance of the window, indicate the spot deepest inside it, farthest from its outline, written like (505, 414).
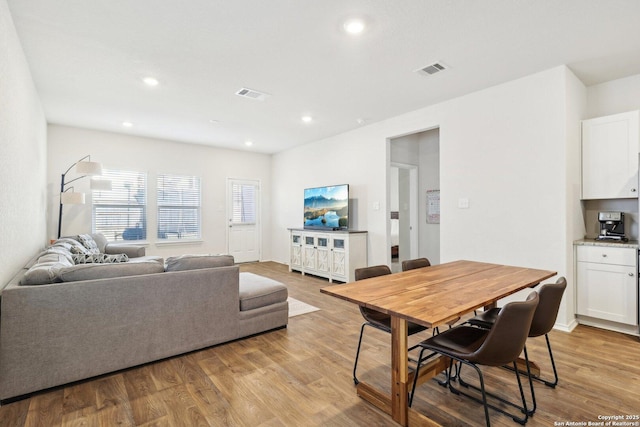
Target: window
(178, 207)
(121, 212)
(244, 203)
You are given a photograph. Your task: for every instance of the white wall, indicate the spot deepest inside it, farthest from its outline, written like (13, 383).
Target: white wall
(23, 155)
(153, 156)
(504, 148)
(616, 96)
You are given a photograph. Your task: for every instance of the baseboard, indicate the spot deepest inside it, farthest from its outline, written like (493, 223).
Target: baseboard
(566, 328)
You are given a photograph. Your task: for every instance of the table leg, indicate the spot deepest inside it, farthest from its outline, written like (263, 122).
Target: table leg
(399, 371)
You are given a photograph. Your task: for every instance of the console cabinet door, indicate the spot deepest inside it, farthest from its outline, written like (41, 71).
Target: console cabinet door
(296, 252)
(339, 266)
(610, 147)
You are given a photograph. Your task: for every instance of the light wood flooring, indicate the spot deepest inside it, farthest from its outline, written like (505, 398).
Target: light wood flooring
(301, 376)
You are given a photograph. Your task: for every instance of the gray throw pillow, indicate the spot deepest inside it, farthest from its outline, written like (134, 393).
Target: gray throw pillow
(88, 242)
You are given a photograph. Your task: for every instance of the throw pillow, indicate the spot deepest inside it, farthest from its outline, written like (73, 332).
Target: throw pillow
(75, 246)
(88, 242)
(99, 258)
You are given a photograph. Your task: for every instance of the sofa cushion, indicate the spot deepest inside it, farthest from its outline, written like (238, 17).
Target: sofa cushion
(88, 242)
(193, 262)
(46, 269)
(106, 271)
(99, 258)
(258, 291)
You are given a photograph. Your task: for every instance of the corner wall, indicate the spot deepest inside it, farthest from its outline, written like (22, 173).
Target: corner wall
(503, 148)
(153, 156)
(23, 156)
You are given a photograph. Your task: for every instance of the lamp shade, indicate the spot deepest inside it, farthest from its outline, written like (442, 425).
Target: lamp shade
(100, 184)
(89, 168)
(72, 198)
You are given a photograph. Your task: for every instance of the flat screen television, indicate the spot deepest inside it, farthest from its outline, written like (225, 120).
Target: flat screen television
(327, 207)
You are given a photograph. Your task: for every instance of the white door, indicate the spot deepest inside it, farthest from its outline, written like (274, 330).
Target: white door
(243, 206)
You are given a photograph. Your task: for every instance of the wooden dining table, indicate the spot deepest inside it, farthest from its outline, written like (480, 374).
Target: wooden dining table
(430, 296)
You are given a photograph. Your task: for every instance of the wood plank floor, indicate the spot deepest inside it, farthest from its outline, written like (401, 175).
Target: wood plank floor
(301, 376)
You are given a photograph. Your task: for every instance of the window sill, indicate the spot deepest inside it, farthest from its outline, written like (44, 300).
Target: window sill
(179, 242)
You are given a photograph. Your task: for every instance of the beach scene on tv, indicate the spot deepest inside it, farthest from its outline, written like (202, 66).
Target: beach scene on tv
(327, 207)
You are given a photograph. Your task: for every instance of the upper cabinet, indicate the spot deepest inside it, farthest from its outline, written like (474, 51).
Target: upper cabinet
(610, 147)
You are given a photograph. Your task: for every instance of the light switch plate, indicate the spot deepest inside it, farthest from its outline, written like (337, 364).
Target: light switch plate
(463, 203)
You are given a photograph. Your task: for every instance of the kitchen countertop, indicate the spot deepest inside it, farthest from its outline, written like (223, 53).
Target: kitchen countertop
(611, 243)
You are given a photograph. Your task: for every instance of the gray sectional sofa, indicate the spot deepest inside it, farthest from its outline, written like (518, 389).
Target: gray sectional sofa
(91, 319)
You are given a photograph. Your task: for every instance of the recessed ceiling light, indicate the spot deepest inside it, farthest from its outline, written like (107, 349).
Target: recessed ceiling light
(354, 26)
(150, 81)
(307, 119)
(248, 143)
(214, 121)
(127, 124)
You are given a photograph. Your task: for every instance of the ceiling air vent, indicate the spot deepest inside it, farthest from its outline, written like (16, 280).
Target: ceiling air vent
(432, 69)
(252, 94)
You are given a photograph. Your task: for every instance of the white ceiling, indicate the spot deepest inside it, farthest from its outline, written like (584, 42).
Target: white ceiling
(88, 58)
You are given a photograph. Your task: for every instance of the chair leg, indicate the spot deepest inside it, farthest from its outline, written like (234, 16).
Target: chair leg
(355, 364)
(553, 365)
(484, 401)
(415, 377)
(533, 393)
(485, 393)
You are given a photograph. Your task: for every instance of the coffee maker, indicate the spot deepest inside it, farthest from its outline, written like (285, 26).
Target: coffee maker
(611, 226)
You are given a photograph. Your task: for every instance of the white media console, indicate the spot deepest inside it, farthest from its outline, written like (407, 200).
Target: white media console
(334, 254)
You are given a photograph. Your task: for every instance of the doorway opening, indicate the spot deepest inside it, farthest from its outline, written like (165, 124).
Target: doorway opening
(414, 188)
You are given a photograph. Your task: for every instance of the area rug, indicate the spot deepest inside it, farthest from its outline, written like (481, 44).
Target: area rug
(297, 308)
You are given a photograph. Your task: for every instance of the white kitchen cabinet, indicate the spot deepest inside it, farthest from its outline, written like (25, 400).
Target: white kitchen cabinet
(610, 147)
(331, 254)
(607, 283)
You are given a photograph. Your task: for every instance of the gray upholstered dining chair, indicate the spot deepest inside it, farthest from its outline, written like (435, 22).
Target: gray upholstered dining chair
(543, 321)
(473, 346)
(374, 318)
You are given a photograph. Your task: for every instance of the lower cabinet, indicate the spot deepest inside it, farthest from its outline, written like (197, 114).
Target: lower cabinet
(607, 283)
(331, 254)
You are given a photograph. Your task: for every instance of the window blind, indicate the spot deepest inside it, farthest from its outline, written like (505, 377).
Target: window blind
(121, 212)
(179, 201)
(244, 204)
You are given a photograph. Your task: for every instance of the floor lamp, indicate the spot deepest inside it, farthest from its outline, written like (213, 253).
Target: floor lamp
(85, 167)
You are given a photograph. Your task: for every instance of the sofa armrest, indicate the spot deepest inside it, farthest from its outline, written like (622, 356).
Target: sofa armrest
(132, 251)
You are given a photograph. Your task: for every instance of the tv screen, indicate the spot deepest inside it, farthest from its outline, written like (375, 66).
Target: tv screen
(327, 207)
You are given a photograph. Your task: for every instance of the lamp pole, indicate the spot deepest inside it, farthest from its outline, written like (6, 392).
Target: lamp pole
(63, 184)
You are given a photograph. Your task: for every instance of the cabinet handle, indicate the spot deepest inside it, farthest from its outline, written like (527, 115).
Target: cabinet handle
(630, 274)
(633, 190)
(604, 255)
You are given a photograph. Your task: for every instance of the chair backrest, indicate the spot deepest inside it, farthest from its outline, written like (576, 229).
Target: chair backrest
(366, 273)
(412, 264)
(545, 316)
(373, 271)
(507, 337)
